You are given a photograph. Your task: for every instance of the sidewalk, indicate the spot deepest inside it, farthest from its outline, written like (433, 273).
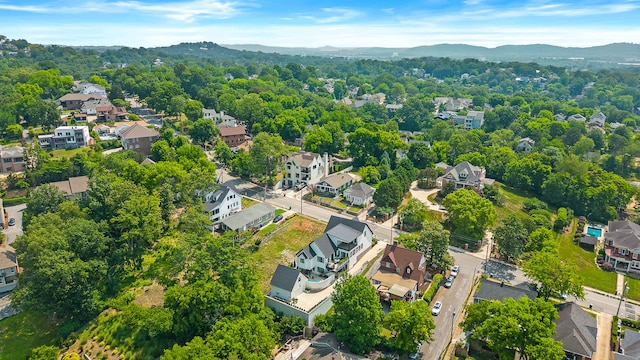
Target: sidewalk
(603, 347)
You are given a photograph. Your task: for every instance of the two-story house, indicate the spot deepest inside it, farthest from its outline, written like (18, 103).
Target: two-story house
(287, 283)
(66, 137)
(473, 120)
(525, 144)
(401, 274)
(577, 330)
(464, 175)
(138, 138)
(622, 245)
(221, 203)
(233, 136)
(75, 101)
(359, 194)
(337, 249)
(111, 113)
(597, 119)
(8, 269)
(305, 168)
(11, 159)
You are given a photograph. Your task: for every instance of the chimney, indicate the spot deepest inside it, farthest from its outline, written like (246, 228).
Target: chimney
(327, 170)
(394, 242)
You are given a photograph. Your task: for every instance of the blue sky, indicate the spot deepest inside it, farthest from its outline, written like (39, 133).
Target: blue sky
(318, 23)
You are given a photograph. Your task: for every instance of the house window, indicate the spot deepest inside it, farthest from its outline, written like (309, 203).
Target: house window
(301, 261)
(320, 259)
(7, 160)
(387, 264)
(408, 270)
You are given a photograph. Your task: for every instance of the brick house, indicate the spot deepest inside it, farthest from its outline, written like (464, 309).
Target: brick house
(622, 245)
(401, 274)
(139, 138)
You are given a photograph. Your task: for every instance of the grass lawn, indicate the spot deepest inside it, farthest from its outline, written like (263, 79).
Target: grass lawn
(513, 203)
(267, 230)
(279, 211)
(23, 332)
(585, 264)
(282, 247)
(246, 203)
(67, 153)
(634, 288)
(340, 204)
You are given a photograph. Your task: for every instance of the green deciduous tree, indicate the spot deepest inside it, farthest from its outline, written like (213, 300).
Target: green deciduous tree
(202, 131)
(525, 326)
(470, 214)
(410, 324)
(413, 214)
(511, 238)
(358, 313)
(554, 276)
(266, 154)
(389, 194)
(193, 110)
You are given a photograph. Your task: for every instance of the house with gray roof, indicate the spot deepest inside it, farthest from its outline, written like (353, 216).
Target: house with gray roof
(359, 194)
(73, 188)
(221, 204)
(622, 245)
(493, 290)
(305, 168)
(287, 283)
(464, 175)
(473, 120)
(11, 159)
(576, 330)
(597, 119)
(525, 144)
(8, 269)
(334, 183)
(577, 117)
(337, 249)
(629, 346)
(250, 218)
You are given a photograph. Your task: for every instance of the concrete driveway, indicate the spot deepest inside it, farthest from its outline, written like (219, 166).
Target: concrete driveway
(12, 232)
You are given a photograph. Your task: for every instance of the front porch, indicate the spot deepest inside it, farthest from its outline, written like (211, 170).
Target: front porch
(621, 262)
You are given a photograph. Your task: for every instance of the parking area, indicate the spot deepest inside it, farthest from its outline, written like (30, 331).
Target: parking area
(15, 212)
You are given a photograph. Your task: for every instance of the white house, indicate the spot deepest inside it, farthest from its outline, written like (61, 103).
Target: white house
(287, 283)
(334, 184)
(305, 168)
(339, 248)
(8, 269)
(525, 144)
(359, 194)
(66, 137)
(221, 203)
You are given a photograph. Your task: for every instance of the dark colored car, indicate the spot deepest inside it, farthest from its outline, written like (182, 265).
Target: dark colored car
(277, 218)
(12, 222)
(449, 282)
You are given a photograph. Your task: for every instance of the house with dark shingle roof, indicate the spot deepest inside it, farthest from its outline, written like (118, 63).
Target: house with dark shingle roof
(493, 290)
(622, 245)
(359, 194)
(222, 203)
(339, 248)
(629, 346)
(8, 268)
(287, 283)
(401, 274)
(464, 175)
(576, 330)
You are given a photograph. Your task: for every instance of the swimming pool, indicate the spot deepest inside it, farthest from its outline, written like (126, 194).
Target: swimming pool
(594, 231)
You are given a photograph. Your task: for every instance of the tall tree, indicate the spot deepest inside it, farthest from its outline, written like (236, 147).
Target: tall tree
(554, 275)
(471, 214)
(203, 131)
(267, 152)
(525, 326)
(358, 313)
(511, 238)
(410, 324)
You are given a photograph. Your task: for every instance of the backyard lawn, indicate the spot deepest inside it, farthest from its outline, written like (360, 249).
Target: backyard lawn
(23, 332)
(513, 203)
(282, 247)
(246, 202)
(68, 153)
(585, 264)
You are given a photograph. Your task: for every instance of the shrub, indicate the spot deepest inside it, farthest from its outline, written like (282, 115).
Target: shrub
(14, 201)
(534, 204)
(431, 291)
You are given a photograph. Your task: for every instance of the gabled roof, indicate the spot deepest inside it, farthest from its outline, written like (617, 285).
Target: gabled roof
(624, 234)
(630, 345)
(576, 117)
(239, 220)
(464, 167)
(147, 161)
(216, 198)
(80, 97)
(7, 257)
(576, 329)
(12, 152)
(285, 277)
(305, 158)
(138, 131)
(360, 190)
(588, 239)
(74, 185)
(337, 220)
(325, 245)
(344, 233)
(492, 290)
(337, 181)
(404, 258)
(232, 130)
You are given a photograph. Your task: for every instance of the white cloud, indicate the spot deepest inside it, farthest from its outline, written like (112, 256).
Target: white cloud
(332, 15)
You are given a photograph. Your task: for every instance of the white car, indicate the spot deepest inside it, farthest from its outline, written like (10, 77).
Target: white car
(436, 308)
(454, 271)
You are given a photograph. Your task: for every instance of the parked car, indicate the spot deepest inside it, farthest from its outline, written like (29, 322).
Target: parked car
(277, 218)
(12, 222)
(436, 308)
(449, 282)
(414, 355)
(455, 270)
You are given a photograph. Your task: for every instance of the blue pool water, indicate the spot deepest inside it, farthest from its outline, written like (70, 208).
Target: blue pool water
(595, 232)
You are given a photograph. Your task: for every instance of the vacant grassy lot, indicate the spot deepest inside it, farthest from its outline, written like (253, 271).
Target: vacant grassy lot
(584, 261)
(23, 332)
(68, 153)
(282, 247)
(246, 203)
(513, 203)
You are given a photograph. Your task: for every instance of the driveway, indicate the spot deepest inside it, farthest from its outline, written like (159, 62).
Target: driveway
(12, 232)
(423, 195)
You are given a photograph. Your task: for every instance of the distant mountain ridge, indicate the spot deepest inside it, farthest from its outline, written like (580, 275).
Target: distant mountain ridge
(617, 52)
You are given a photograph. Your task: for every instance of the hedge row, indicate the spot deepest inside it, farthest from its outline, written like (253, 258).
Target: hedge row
(431, 291)
(14, 201)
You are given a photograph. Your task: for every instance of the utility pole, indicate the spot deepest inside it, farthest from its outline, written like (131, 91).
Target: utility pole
(626, 288)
